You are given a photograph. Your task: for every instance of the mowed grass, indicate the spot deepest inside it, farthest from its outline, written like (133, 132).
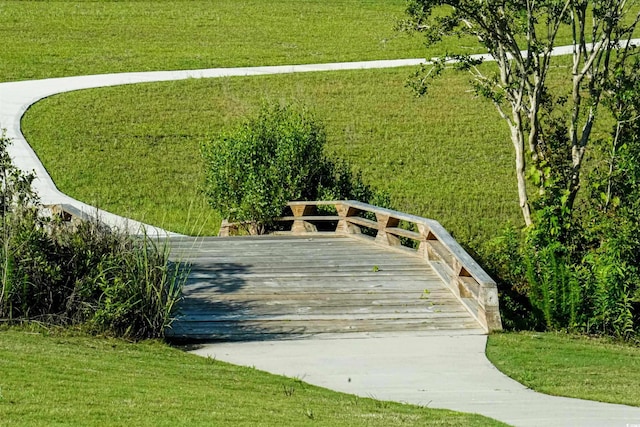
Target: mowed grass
(134, 150)
(61, 379)
(569, 365)
(65, 38)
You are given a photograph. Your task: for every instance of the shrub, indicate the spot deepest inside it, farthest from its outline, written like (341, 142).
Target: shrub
(87, 274)
(252, 171)
(504, 260)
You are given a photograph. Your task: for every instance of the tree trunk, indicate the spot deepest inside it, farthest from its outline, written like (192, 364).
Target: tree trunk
(517, 137)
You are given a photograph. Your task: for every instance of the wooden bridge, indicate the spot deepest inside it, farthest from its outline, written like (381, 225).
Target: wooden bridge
(333, 267)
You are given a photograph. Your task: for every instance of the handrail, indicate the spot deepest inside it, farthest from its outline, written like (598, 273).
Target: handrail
(460, 272)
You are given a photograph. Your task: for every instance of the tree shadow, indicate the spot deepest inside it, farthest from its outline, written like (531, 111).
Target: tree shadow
(215, 308)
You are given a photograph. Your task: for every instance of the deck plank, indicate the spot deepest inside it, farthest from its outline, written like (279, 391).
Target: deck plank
(264, 287)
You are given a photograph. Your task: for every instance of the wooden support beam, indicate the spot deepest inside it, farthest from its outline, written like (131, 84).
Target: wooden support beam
(345, 212)
(384, 222)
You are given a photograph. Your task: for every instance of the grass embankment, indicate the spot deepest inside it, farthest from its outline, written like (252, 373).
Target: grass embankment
(65, 38)
(135, 150)
(61, 379)
(569, 365)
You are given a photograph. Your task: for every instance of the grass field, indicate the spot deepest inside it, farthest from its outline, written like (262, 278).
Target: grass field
(447, 157)
(135, 150)
(568, 365)
(62, 379)
(66, 38)
(91, 37)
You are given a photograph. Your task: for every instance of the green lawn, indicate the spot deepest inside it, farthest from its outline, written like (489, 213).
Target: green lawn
(65, 38)
(62, 379)
(568, 365)
(134, 150)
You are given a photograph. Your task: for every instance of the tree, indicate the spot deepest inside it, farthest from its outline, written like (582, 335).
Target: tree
(520, 36)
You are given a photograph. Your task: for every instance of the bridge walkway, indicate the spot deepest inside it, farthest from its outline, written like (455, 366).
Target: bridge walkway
(275, 287)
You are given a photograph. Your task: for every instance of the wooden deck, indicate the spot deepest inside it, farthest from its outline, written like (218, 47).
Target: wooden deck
(274, 287)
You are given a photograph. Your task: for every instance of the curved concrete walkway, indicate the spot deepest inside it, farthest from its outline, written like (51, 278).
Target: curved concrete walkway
(17, 97)
(436, 371)
(439, 371)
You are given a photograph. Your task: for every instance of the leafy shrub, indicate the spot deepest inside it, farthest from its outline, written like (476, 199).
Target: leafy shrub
(252, 171)
(583, 266)
(87, 274)
(503, 259)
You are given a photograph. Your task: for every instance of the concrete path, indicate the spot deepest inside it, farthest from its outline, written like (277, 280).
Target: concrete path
(436, 371)
(439, 371)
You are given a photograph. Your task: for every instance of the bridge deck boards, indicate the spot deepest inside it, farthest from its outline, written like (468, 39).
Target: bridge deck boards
(243, 288)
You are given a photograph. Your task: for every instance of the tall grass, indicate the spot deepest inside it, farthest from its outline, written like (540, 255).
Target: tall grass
(84, 273)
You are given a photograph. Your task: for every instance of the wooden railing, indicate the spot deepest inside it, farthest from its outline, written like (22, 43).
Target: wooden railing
(68, 213)
(420, 236)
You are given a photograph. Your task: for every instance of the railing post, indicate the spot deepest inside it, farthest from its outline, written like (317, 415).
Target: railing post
(344, 211)
(489, 300)
(224, 229)
(423, 229)
(300, 226)
(382, 237)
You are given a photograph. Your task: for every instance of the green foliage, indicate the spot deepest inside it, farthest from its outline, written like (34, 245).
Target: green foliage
(504, 260)
(17, 215)
(82, 274)
(254, 170)
(554, 290)
(611, 261)
(580, 256)
(271, 159)
(583, 265)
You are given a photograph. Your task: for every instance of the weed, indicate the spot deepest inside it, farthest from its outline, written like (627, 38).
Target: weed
(309, 414)
(288, 390)
(84, 274)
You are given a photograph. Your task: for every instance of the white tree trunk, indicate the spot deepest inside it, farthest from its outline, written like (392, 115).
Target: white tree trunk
(518, 139)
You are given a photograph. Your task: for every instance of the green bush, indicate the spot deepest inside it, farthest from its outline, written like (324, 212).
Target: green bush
(503, 258)
(252, 171)
(582, 267)
(85, 274)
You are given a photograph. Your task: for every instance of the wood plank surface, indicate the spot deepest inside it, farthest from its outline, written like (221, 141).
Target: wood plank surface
(266, 287)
